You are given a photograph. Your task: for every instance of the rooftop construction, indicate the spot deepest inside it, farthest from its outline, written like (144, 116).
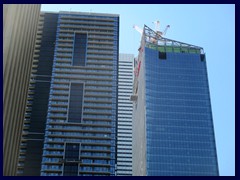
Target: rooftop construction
(154, 40)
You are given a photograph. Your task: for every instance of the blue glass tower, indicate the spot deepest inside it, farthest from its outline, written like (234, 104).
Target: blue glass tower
(173, 132)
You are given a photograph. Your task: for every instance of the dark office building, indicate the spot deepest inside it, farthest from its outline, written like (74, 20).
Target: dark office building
(19, 33)
(70, 121)
(173, 132)
(30, 155)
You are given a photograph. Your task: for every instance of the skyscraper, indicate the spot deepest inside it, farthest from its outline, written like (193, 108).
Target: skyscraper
(19, 33)
(124, 134)
(78, 131)
(30, 155)
(173, 132)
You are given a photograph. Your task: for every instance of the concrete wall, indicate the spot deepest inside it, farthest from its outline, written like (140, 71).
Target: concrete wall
(139, 125)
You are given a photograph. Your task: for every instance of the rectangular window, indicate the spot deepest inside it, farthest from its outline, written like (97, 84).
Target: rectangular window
(70, 169)
(80, 49)
(75, 103)
(202, 56)
(162, 55)
(72, 152)
(71, 159)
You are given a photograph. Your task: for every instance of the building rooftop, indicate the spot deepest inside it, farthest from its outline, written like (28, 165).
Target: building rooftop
(81, 13)
(154, 40)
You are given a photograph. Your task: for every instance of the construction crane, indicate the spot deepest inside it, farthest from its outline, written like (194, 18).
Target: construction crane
(140, 30)
(157, 30)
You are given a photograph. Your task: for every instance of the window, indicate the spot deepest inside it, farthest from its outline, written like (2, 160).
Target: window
(80, 49)
(72, 152)
(70, 169)
(75, 103)
(202, 56)
(71, 159)
(162, 55)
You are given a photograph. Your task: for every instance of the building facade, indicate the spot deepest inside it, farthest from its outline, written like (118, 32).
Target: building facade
(173, 133)
(19, 33)
(30, 155)
(124, 132)
(79, 132)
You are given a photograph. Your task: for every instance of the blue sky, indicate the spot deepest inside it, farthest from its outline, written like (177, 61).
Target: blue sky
(209, 26)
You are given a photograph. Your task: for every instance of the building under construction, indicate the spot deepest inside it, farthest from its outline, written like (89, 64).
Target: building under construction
(173, 133)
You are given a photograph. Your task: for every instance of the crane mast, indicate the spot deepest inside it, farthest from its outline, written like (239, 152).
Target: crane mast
(157, 29)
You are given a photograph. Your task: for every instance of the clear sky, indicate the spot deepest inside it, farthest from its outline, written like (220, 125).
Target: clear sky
(209, 26)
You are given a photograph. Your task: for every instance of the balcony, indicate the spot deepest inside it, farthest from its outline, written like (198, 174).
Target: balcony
(86, 26)
(57, 115)
(85, 21)
(71, 17)
(54, 109)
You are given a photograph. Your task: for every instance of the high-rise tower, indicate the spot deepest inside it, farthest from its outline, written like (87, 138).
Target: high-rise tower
(19, 33)
(30, 155)
(79, 132)
(124, 134)
(173, 132)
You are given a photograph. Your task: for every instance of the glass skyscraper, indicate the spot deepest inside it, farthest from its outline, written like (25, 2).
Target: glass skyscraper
(74, 83)
(124, 130)
(173, 132)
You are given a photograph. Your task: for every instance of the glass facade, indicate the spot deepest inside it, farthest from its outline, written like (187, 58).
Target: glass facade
(173, 133)
(71, 159)
(75, 103)
(80, 49)
(180, 137)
